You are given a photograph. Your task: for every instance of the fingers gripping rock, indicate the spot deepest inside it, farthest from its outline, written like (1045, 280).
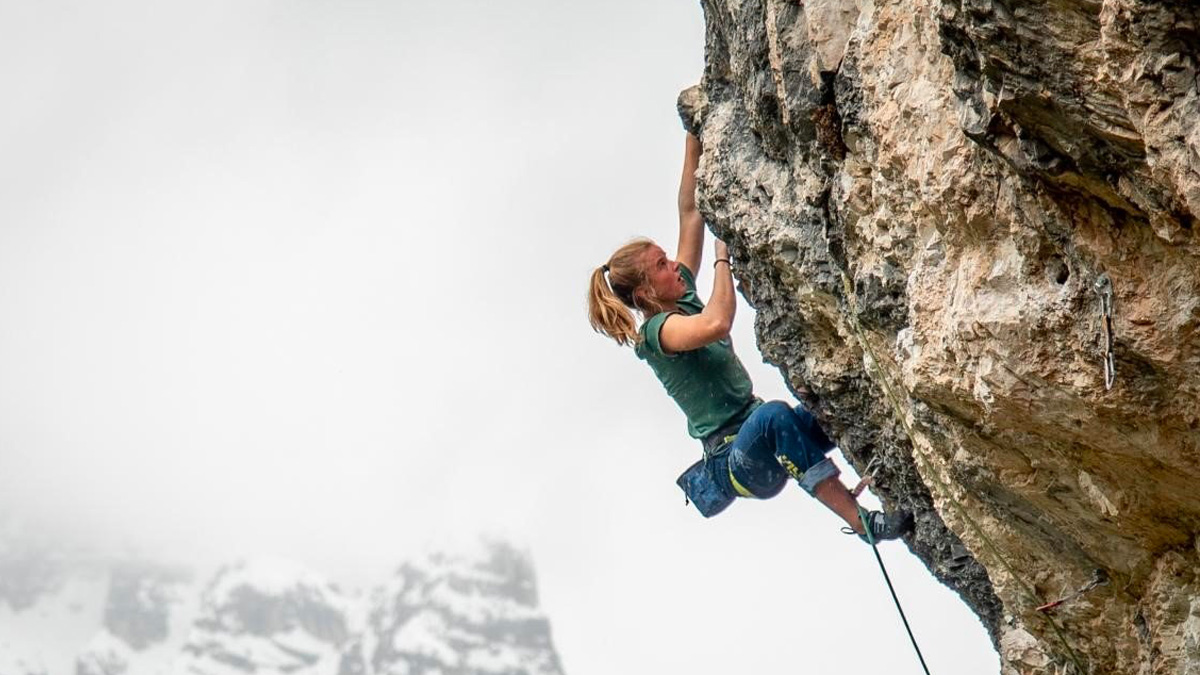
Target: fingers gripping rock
(692, 106)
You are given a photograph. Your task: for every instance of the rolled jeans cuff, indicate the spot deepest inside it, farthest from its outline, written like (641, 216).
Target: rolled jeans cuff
(817, 473)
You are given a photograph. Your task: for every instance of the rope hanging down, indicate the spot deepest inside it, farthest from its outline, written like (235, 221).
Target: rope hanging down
(862, 515)
(928, 472)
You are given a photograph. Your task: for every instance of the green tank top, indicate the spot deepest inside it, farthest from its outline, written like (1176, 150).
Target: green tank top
(709, 384)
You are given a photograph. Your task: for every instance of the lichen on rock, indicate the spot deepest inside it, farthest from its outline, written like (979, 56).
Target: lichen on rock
(948, 214)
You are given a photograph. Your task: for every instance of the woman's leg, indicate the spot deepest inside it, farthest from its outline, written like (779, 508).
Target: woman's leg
(799, 445)
(776, 436)
(834, 495)
(825, 486)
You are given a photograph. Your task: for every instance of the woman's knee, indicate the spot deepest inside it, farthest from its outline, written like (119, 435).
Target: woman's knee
(760, 434)
(799, 442)
(776, 409)
(774, 415)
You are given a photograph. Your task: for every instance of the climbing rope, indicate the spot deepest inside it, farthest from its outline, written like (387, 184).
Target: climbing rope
(860, 334)
(862, 516)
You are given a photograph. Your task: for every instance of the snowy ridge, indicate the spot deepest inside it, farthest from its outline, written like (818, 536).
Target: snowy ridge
(444, 614)
(267, 615)
(455, 616)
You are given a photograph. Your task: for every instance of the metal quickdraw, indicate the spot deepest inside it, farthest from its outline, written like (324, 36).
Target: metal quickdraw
(1105, 290)
(1099, 578)
(868, 477)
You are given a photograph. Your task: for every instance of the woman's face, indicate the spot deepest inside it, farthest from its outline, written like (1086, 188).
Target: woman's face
(662, 275)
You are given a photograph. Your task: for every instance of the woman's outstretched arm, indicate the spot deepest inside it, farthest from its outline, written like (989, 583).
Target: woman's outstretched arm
(680, 333)
(691, 224)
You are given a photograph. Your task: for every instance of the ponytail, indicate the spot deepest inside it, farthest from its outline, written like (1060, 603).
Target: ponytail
(611, 298)
(607, 314)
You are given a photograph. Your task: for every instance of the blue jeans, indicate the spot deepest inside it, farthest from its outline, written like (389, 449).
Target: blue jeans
(776, 441)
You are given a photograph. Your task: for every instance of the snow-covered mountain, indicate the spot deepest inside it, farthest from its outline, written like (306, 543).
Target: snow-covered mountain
(442, 614)
(456, 614)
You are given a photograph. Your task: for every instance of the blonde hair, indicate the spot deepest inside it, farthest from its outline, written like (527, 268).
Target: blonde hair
(617, 287)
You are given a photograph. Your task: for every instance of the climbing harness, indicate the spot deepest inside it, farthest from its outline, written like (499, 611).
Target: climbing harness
(862, 516)
(927, 471)
(1105, 290)
(1099, 578)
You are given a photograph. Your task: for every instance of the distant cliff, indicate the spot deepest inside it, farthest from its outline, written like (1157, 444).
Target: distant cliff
(447, 613)
(969, 230)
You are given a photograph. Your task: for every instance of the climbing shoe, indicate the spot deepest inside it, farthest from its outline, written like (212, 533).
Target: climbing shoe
(884, 526)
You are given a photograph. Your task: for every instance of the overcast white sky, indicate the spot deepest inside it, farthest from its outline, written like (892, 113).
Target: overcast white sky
(307, 278)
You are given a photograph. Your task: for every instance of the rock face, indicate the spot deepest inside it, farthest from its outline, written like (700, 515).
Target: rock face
(949, 216)
(453, 614)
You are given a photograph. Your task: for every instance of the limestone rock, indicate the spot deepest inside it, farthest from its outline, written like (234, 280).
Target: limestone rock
(949, 214)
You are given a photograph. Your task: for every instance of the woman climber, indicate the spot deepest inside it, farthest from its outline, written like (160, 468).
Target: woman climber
(750, 447)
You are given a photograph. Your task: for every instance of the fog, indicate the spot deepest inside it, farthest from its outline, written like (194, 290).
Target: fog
(307, 279)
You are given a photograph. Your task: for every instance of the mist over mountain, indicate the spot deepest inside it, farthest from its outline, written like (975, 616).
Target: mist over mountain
(450, 612)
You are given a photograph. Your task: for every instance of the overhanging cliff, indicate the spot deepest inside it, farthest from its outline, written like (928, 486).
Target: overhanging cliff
(949, 216)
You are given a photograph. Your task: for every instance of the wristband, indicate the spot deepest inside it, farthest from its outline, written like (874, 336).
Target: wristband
(722, 260)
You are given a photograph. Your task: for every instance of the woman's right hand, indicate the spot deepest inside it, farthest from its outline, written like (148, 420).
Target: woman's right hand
(720, 250)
